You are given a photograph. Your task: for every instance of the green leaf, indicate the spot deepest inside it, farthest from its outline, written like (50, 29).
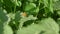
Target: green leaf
(34, 11)
(58, 12)
(7, 29)
(45, 3)
(32, 29)
(4, 28)
(49, 5)
(19, 3)
(57, 5)
(11, 17)
(29, 6)
(48, 25)
(17, 16)
(24, 19)
(58, 21)
(3, 16)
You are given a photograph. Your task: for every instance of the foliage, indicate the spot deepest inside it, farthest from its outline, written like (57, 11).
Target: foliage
(29, 16)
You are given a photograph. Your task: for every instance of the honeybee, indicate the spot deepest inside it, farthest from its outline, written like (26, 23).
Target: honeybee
(24, 14)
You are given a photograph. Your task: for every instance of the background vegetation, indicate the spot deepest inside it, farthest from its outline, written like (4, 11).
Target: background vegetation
(29, 16)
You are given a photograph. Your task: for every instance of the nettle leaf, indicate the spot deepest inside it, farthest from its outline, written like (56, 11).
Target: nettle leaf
(24, 19)
(29, 21)
(11, 17)
(50, 26)
(58, 21)
(32, 29)
(57, 5)
(29, 6)
(7, 29)
(31, 17)
(3, 16)
(4, 20)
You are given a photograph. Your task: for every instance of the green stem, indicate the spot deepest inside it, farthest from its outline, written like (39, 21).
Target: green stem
(15, 6)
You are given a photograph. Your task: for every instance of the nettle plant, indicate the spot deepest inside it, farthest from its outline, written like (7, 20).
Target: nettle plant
(29, 16)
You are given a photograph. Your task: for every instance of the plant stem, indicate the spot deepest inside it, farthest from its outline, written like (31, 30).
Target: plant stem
(15, 6)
